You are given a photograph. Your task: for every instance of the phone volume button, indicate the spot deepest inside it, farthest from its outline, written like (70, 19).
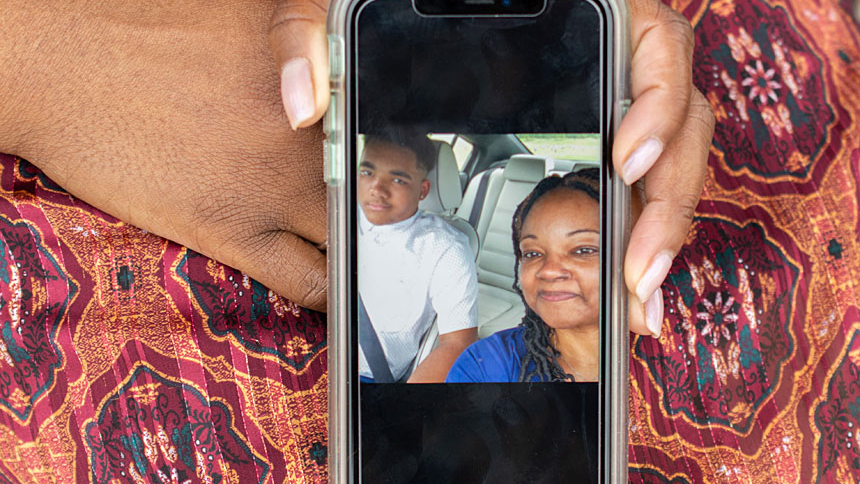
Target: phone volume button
(330, 119)
(335, 58)
(327, 161)
(331, 163)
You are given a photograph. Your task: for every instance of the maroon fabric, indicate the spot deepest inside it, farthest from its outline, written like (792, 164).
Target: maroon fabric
(755, 376)
(127, 358)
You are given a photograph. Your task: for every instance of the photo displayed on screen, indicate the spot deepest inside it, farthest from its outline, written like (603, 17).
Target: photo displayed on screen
(476, 186)
(493, 277)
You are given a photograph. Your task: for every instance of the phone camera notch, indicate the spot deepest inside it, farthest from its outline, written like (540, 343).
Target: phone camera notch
(479, 8)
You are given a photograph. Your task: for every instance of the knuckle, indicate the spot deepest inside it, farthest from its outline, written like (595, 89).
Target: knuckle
(698, 100)
(315, 287)
(290, 12)
(676, 204)
(674, 217)
(645, 9)
(702, 114)
(295, 26)
(678, 116)
(679, 27)
(705, 110)
(228, 235)
(686, 206)
(289, 262)
(222, 223)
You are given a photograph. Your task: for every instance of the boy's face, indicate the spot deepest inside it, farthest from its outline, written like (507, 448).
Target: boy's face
(390, 183)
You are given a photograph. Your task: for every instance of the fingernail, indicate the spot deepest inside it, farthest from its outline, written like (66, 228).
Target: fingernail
(641, 160)
(297, 91)
(654, 313)
(654, 276)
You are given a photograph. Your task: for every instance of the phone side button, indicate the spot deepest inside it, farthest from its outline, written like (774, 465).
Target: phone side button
(625, 106)
(330, 118)
(335, 56)
(327, 161)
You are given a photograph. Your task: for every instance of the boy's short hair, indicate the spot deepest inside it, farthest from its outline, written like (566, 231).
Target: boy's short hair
(418, 143)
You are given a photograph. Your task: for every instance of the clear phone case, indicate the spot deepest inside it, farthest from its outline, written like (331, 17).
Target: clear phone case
(339, 123)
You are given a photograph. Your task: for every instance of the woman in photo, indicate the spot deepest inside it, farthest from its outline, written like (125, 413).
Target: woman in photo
(556, 236)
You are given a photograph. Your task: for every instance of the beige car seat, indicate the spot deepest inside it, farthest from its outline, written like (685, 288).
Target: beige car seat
(443, 200)
(499, 307)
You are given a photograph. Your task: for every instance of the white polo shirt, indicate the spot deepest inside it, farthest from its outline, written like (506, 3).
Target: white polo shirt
(408, 273)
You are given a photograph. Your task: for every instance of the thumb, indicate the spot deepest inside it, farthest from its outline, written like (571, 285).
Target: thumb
(289, 265)
(297, 39)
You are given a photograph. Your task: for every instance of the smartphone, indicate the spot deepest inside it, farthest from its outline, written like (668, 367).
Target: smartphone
(477, 308)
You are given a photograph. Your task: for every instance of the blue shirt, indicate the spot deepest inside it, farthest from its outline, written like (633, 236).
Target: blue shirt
(496, 358)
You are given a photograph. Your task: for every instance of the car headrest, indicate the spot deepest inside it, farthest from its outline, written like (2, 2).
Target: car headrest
(560, 167)
(444, 182)
(526, 168)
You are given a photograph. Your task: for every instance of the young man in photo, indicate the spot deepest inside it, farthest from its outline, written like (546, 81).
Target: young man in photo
(413, 266)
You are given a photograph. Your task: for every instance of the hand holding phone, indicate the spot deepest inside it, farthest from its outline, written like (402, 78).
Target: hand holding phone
(667, 134)
(471, 194)
(666, 107)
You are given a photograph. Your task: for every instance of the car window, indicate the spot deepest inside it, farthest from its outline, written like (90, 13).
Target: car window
(461, 146)
(462, 151)
(582, 146)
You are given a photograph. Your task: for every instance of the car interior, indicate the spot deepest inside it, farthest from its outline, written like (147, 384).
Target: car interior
(500, 171)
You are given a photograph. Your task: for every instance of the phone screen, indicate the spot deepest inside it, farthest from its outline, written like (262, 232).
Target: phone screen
(478, 184)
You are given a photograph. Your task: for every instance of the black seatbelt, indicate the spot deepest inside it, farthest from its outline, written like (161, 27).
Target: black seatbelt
(369, 343)
(478, 204)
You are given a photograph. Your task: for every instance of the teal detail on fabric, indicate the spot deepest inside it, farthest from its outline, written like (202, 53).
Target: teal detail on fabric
(749, 354)
(4, 264)
(182, 441)
(726, 261)
(15, 351)
(854, 408)
(260, 306)
(134, 446)
(706, 366)
(684, 283)
(834, 248)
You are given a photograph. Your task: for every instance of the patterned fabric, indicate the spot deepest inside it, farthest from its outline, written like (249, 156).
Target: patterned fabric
(128, 359)
(756, 377)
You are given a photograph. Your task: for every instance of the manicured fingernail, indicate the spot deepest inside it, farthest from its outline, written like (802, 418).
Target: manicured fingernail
(654, 275)
(654, 313)
(641, 160)
(297, 91)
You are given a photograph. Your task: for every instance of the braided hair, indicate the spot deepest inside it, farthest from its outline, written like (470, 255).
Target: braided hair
(537, 334)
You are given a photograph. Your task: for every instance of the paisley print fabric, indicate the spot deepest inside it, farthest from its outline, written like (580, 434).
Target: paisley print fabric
(125, 358)
(755, 377)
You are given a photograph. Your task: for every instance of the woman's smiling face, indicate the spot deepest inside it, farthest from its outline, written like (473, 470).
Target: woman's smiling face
(560, 265)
